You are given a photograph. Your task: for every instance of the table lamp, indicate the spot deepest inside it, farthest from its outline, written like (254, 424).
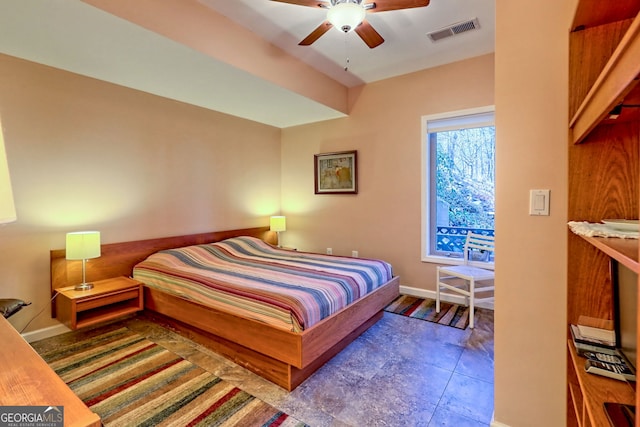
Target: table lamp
(278, 223)
(83, 245)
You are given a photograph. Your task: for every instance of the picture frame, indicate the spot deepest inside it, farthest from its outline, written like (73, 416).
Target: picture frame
(336, 173)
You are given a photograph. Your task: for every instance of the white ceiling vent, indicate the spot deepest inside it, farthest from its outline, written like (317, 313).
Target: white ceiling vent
(453, 29)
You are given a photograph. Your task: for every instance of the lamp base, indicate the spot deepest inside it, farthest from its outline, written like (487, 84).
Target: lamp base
(83, 287)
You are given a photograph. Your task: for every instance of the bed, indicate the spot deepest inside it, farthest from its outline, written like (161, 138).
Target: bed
(283, 345)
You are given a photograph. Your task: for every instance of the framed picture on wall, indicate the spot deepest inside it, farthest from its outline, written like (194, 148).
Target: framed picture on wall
(336, 173)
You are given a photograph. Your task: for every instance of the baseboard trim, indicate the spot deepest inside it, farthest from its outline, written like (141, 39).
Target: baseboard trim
(43, 333)
(451, 298)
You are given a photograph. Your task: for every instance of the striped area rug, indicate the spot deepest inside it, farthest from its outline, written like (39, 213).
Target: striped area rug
(425, 309)
(131, 381)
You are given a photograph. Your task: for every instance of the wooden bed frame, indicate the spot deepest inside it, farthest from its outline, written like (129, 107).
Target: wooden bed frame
(283, 357)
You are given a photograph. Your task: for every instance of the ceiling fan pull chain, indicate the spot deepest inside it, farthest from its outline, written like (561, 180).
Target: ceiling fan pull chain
(346, 51)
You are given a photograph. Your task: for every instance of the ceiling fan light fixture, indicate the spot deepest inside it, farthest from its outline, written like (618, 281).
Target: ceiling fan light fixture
(346, 16)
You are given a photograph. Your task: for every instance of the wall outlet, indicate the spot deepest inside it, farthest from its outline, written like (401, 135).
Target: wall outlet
(329, 251)
(354, 254)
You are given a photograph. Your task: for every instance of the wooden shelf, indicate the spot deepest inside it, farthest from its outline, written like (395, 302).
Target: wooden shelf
(617, 79)
(102, 314)
(595, 390)
(625, 251)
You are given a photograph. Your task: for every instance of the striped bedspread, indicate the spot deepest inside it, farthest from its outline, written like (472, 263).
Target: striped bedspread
(248, 277)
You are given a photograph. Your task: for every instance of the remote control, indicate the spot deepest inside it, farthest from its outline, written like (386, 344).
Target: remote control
(602, 357)
(618, 371)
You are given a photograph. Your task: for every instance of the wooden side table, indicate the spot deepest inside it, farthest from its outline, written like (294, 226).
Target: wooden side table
(109, 299)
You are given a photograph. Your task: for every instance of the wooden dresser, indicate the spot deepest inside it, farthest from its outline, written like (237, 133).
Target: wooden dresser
(26, 379)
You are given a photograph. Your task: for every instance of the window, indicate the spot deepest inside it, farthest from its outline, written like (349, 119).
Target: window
(458, 183)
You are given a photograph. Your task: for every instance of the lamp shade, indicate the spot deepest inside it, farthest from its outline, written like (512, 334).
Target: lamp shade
(83, 245)
(7, 208)
(278, 223)
(346, 16)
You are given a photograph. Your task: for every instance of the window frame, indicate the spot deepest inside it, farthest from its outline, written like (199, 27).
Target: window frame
(428, 175)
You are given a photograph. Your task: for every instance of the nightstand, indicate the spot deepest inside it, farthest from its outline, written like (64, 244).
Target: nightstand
(109, 299)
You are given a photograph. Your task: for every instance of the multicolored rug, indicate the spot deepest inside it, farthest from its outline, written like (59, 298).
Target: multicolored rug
(425, 309)
(131, 381)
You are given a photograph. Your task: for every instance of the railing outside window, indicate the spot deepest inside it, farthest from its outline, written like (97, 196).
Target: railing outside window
(451, 239)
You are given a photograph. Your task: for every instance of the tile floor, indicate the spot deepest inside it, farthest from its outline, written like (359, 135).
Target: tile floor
(401, 372)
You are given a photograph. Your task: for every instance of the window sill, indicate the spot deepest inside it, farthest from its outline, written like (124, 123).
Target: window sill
(444, 260)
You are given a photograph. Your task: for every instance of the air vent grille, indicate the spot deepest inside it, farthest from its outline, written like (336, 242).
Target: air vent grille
(452, 30)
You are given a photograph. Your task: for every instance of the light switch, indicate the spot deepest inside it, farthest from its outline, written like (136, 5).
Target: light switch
(539, 202)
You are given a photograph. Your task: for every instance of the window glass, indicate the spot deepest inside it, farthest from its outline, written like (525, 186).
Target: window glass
(458, 180)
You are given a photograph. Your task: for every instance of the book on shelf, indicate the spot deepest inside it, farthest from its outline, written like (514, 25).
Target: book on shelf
(597, 333)
(593, 328)
(591, 344)
(581, 348)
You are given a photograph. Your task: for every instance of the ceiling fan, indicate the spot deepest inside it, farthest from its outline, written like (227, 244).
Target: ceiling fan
(348, 15)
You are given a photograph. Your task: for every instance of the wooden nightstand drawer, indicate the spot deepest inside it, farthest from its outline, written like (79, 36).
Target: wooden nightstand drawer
(107, 300)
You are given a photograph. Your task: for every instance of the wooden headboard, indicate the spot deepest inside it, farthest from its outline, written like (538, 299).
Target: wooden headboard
(118, 259)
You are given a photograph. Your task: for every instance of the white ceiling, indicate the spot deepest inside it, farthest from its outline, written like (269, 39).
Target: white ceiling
(74, 36)
(406, 48)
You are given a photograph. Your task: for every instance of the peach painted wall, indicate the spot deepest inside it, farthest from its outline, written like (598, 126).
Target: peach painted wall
(532, 129)
(383, 219)
(84, 154)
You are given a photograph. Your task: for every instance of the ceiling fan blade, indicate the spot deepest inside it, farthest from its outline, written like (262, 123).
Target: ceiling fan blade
(310, 3)
(315, 34)
(369, 35)
(385, 5)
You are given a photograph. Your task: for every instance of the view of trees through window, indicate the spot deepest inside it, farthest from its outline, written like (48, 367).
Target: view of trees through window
(465, 177)
(459, 179)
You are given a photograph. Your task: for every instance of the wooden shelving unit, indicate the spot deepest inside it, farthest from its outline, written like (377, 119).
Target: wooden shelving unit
(625, 251)
(604, 175)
